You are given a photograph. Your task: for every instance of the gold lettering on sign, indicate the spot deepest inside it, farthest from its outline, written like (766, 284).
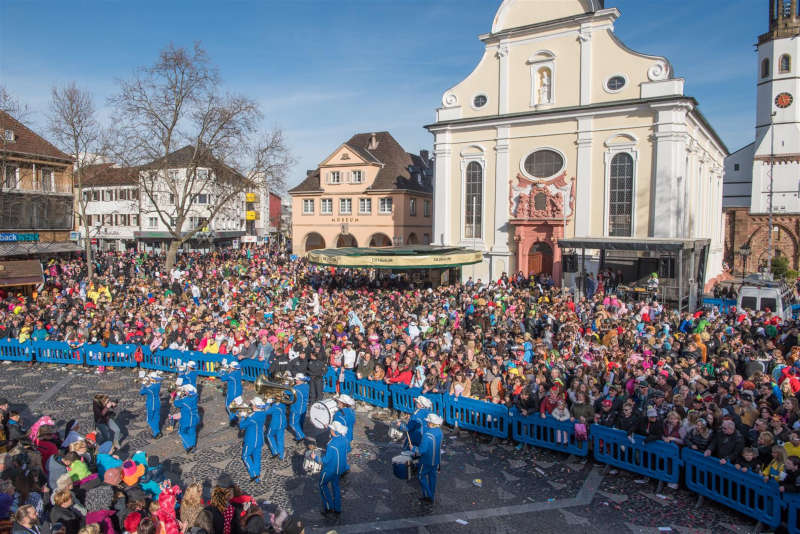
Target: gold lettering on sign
(344, 220)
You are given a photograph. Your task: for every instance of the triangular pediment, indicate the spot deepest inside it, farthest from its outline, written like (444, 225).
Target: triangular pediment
(344, 155)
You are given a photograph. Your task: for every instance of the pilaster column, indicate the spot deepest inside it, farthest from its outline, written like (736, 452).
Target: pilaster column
(501, 185)
(670, 157)
(443, 203)
(585, 38)
(583, 181)
(502, 98)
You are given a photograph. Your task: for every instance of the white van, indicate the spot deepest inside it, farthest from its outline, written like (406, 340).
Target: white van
(759, 294)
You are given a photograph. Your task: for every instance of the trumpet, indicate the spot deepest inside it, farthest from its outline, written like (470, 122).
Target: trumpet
(242, 410)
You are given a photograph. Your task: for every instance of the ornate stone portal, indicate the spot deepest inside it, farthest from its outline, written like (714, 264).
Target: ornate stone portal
(538, 215)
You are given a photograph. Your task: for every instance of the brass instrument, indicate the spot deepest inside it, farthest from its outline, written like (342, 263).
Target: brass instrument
(242, 410)
(277, 391)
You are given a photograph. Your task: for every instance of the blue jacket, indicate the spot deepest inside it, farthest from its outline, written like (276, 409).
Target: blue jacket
(189, 377)
(253, 427)
(301, 402)
(188, 407)
(234, 381)
(335, 460)
(277, 414)
(347, 417)
(430, 449)
(152, 397)
(416, 425)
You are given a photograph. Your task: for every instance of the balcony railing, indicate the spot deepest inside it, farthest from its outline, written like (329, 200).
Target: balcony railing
(60, 189)
(35, 211)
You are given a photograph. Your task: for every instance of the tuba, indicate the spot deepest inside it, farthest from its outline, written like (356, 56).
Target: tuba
(277, 391)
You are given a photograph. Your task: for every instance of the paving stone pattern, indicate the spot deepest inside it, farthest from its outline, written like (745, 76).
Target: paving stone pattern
(511, 481)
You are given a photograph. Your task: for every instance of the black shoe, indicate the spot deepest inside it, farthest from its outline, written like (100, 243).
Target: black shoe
(426, 500)
(158, 436)
(190, 450)
(326, 513)
(232, 423)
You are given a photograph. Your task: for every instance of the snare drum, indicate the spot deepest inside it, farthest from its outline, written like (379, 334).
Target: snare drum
(405, 466)
(310, 464)
(321, 413)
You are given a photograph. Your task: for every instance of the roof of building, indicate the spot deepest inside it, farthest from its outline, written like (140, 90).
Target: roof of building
(27, 142)
(397, 165)
(106, 174)
(187, 157)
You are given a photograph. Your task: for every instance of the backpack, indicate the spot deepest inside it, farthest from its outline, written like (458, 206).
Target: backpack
(138, 356)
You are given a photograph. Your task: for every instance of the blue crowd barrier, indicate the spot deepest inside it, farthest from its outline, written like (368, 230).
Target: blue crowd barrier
(724, 305)
(57, 352)
(548, 433)
(438, 403)
(208, 364)
(13, 351)
(654, 459)
(329, 380)
(163, 360)
(110, 356)
(471, 414)
(745, 492)
(791, 501)
(403, 397)
(252, 369)
(348, 385)
(373, 392)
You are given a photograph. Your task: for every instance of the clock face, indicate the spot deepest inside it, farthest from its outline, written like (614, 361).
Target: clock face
(783, 100)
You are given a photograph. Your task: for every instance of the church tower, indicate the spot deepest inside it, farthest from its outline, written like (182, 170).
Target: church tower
(778, 111)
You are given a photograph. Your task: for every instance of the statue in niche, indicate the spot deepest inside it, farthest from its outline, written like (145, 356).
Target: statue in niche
(545, 86)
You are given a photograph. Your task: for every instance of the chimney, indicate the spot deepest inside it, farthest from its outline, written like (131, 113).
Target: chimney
(309, 172)
(373, 142)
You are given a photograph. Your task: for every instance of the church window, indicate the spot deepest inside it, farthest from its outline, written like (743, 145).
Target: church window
(620, 205)
(479, 101)
(544, 163)
(786, 64)
(540, 202)
(473, 201)
(615, 83)
(765, 68)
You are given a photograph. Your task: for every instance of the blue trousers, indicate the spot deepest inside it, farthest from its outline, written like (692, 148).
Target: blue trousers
(231, 415)
(188, 436)
(153, 419)
(329, 490)
(275, 440)
(427, 480)
(251, 456)
(296, 425)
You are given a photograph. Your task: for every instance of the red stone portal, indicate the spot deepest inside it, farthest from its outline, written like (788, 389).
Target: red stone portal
(537, 215)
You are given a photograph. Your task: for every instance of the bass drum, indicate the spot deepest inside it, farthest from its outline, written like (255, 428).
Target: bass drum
(321, 413)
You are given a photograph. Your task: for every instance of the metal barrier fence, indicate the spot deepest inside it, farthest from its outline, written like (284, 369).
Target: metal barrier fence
(665, 462)
(723, 305)
(745, 492)
(654, 459)
(13, 351)
(548, 433)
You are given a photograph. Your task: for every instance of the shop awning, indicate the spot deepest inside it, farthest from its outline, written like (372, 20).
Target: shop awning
(396, 258)
(633, 243)
(43, 247)
(20, 273)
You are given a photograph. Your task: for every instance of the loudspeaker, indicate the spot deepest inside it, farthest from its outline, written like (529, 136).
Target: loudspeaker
(570, 263)
(666, 267)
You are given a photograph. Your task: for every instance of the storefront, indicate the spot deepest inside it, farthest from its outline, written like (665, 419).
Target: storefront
(20, 276)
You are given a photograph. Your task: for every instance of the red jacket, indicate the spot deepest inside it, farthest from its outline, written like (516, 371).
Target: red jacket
(400, 376)
(548, 405)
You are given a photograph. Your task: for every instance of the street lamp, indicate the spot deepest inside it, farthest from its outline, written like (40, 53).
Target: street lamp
(744, 252)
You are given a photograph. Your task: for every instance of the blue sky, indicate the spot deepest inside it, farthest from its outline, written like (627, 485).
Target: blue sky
(325, 69)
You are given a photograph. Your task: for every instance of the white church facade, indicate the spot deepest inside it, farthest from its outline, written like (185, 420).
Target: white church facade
(563, 131)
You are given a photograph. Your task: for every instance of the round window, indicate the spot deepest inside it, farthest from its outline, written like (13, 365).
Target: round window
(544, 163)
(615, 83)
(479, 101)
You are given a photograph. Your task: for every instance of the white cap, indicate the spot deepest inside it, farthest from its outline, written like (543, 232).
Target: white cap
(425, 402)
(257, 401)
(234, 365)
(155, 375)
(238, 400)
(433, 419)
(338, 428)
(191, 364)
(189, 388)
(346, 399)
(299, 376)
(179, 381)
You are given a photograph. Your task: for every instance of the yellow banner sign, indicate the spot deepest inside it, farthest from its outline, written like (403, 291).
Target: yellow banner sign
(251, 215)
(251, 197)
(382, 261)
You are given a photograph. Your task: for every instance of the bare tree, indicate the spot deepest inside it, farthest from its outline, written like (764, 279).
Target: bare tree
(72, 123)
(198, 150)
(9, 106)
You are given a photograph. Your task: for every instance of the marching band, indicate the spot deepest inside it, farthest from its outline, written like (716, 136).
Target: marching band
(421, 433)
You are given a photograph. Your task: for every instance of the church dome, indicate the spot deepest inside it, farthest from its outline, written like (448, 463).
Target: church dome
(516, 13)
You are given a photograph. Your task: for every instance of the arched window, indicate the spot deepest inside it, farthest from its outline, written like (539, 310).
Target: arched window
(786, 64)
(620, 200)
(544, 163)
(765, 68)
(473, 201)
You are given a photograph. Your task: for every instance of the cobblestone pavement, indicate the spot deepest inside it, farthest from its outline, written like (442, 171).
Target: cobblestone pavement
(483, 486)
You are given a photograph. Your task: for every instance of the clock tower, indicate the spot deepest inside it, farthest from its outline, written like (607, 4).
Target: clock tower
(778, 112)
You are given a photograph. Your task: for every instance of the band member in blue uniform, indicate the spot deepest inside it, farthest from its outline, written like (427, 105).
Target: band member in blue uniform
(187, 374)
(430, 451)
(334, 463)
(416, 426)
(231, 374)
(277, 427)
(253, 426)
(297, 413)
(186, 402)
(346, 415)
(151, 389)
